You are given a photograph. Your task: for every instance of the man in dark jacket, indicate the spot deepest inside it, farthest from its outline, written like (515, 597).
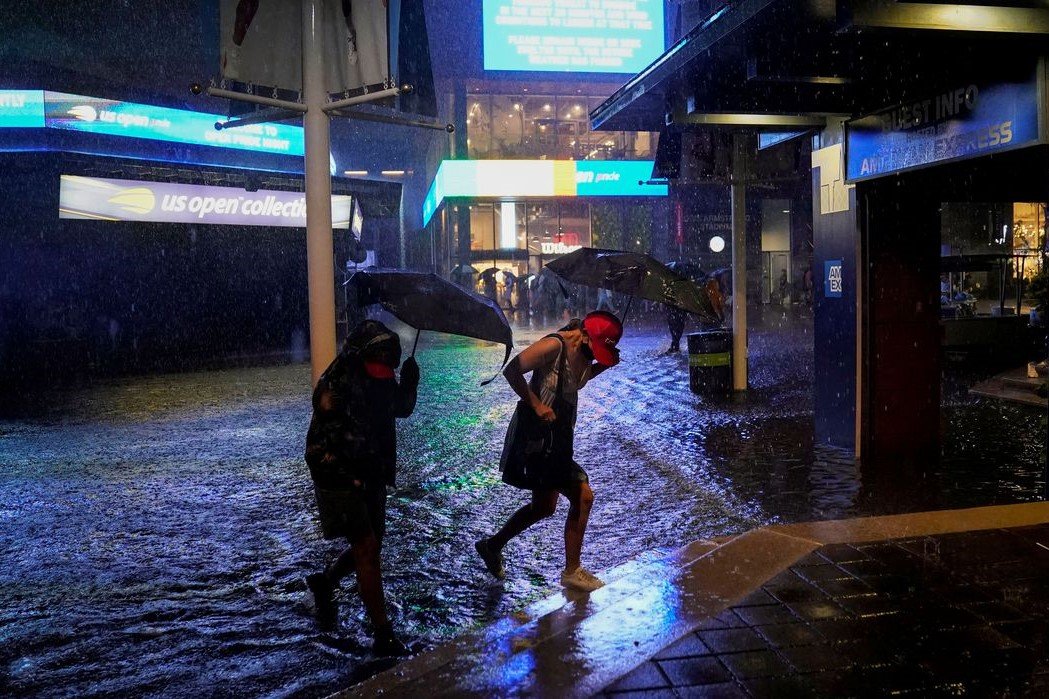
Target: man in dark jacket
(351, 449)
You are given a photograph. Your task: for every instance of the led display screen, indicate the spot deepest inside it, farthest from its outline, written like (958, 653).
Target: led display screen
(115, 118)
(540, 178)
(22, 109)
(58, 110)
(595, 36)
(105, 199)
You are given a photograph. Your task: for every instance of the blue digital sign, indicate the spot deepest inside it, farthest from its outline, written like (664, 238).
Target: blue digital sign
(517, 179)
(115, 118)
(21, 109)
(597, 36)
(963, 122)
(616, 178)
(58, 110)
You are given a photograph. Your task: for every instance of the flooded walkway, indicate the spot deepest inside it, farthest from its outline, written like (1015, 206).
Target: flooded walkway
(948, 603)
(155, 531)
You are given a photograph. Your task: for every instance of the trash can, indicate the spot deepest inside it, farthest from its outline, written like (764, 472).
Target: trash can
(710, 362)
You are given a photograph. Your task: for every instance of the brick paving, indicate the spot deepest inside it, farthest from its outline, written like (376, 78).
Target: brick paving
(963, 614)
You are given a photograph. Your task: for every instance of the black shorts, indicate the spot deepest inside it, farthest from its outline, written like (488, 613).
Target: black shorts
(352, 514)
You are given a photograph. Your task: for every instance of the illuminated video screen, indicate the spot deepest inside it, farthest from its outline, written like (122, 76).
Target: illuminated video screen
(596, 36)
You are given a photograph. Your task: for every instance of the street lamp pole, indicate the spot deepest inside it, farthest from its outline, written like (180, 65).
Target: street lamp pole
(316, 109)
(739, 264)
(320, 263)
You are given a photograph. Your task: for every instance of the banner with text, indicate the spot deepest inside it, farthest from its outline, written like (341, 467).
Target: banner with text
(597, 36)
(966, 121)
(172, 202)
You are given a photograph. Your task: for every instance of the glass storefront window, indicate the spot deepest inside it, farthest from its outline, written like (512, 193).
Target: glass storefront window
(482, 227)
(547, 126)
(507, 127)
(479, 126)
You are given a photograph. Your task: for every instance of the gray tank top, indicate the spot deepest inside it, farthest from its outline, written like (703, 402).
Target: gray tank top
(544, 382)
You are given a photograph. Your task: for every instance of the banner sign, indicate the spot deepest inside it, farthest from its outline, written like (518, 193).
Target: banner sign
(21, 109)
(540, 178)
(966, 121)
(172, 202)
(262, 43)
(127, 119)
(597, 36)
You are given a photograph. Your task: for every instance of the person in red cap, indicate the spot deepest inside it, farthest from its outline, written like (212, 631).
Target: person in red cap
(538, 452)
(351, 449)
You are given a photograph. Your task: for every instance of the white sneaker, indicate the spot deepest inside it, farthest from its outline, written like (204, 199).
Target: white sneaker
(581, 580)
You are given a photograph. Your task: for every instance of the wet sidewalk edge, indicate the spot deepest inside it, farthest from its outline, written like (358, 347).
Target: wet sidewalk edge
(572, 645)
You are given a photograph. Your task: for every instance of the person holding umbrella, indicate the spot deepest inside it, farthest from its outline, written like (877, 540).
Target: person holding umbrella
(538, 452)
(351, 450)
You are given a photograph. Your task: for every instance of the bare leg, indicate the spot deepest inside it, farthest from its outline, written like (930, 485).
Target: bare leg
(369, 579)
(543, 505)
(341, 567)
(581, 499)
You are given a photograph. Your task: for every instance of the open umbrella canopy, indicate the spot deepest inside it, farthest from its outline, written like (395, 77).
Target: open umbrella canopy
(636, 274)
(464, 269)
(427, 302)
(688, 269)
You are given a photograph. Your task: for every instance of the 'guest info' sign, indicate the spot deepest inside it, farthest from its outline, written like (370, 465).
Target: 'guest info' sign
(589, 36)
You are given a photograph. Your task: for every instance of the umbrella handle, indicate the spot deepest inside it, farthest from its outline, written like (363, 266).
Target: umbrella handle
(417, 333)
(629, 301)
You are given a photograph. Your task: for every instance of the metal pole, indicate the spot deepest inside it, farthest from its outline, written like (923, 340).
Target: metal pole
(739, 265)
(264, 116)
(319, 250)
(365, 98)
(253, 99)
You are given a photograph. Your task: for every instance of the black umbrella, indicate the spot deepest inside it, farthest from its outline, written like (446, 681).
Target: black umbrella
(464, 269)
(635, 274)
(689, 270)
(427, 302)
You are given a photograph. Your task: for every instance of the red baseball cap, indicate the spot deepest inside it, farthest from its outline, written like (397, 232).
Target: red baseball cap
(604, 330)
(378, 370)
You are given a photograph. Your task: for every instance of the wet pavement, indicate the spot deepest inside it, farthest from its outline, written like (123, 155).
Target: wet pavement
(961, 614)
(155, 531)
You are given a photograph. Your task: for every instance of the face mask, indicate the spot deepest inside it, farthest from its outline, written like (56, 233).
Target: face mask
(587, 352)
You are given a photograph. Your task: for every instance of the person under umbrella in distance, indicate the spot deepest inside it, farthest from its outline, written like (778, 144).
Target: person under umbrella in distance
(538, 452)
(351, 449)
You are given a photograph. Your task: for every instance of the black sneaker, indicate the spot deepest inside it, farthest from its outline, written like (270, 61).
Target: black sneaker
(493, 560)
(322, 591)
(387, 644)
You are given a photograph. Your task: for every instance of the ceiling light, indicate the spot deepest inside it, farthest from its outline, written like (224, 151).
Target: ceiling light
(393, 173)
(355, 173)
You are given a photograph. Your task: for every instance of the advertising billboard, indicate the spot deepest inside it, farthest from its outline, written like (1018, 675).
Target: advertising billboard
(964, 121)
(106, 199)
(540, 178)
(22, 109)
(597, 36)
(127, 119)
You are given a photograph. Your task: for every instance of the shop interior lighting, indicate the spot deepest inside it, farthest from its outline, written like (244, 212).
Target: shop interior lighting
(355, 173)
(393, 173)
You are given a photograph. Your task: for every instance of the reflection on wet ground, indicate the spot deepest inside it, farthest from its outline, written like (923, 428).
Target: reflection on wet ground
(156, 530)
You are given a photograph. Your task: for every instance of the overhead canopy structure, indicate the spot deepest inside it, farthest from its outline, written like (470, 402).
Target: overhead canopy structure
(780, 65)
